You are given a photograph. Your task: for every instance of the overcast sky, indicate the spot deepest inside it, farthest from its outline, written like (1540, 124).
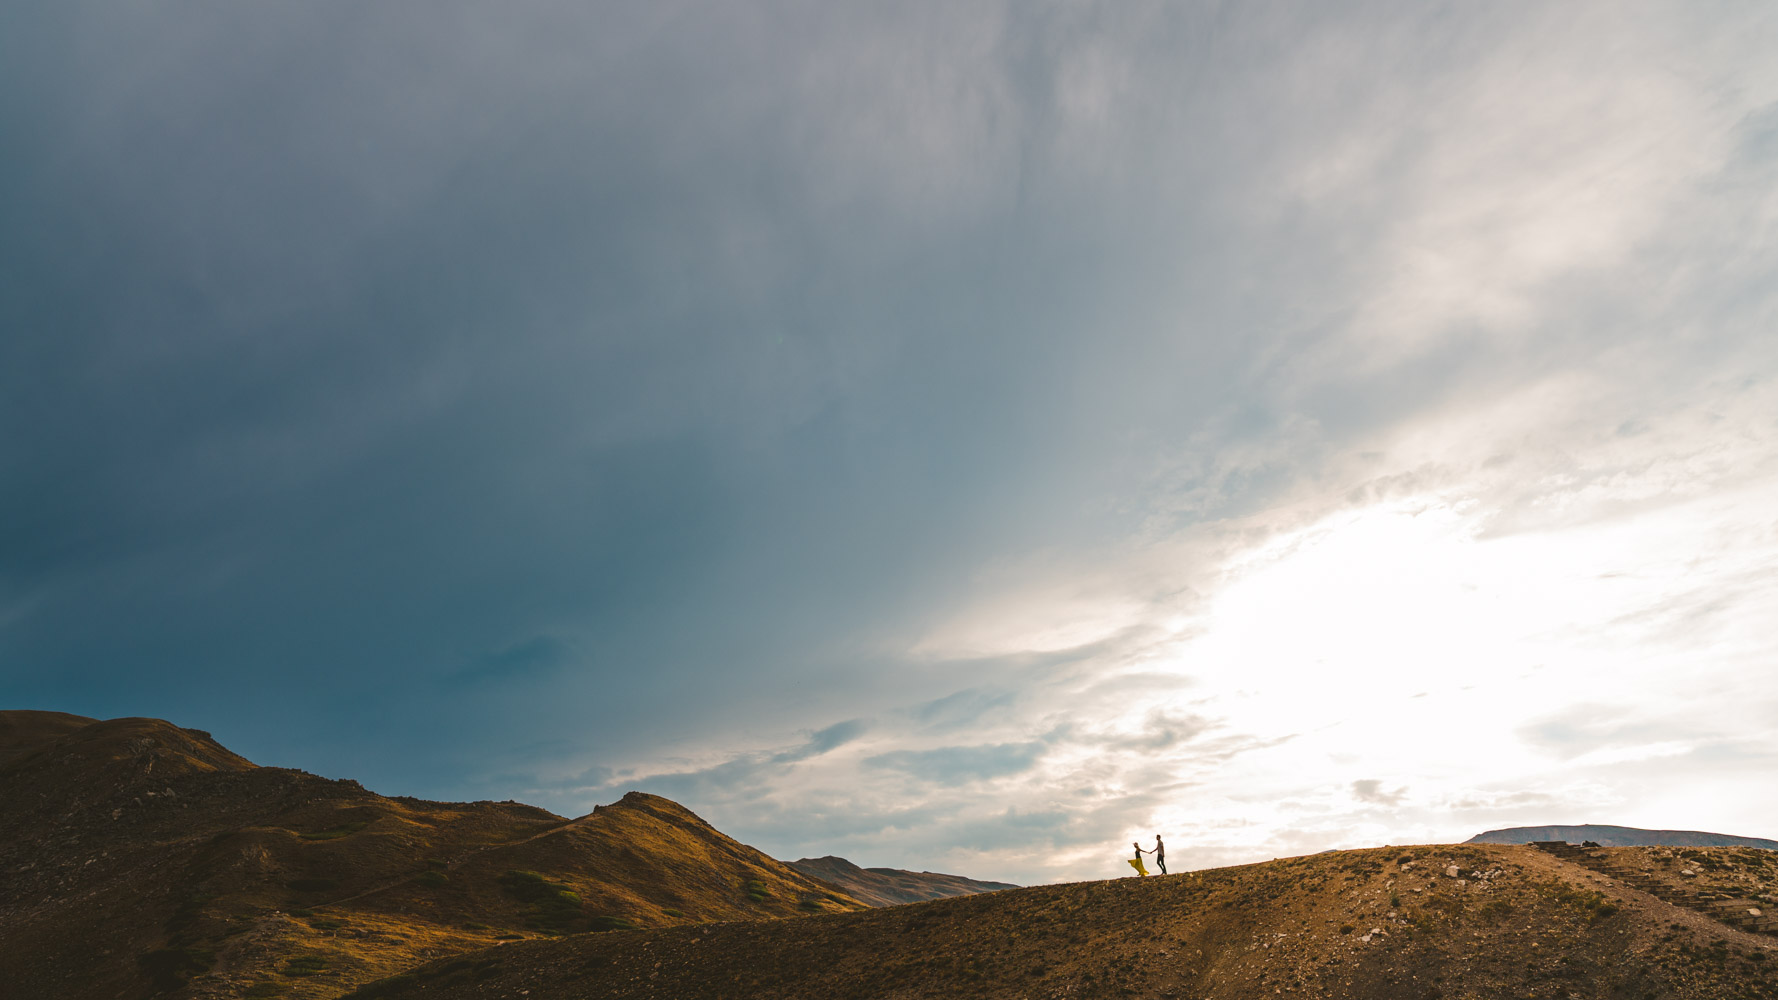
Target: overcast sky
(952, 435)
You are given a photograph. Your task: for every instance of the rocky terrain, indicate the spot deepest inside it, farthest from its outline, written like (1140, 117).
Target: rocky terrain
(141, 859)
(1618, 836)
(889, 886)
(1423, 922)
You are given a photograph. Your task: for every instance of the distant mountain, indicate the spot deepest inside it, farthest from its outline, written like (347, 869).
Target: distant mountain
(1618, 836)
(889, 886)
(140, 859)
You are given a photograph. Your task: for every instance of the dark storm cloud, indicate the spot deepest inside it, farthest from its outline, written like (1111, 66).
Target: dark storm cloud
(350, 347)
(467, 395)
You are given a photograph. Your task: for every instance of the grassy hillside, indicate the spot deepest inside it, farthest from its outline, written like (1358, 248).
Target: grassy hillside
(141, 859)
(1384, 923)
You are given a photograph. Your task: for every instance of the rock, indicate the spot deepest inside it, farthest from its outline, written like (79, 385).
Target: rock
(1453, 871)
(1754, 911)
(1687, 871)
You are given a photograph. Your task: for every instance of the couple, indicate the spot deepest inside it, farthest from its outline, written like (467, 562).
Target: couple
(1160, 857)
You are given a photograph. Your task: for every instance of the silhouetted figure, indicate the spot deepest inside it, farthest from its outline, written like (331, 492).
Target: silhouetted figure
(1160, 854)
(1136, 862)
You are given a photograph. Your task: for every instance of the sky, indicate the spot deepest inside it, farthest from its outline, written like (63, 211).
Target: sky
(960, 436)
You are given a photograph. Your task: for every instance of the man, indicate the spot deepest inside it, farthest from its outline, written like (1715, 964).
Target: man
(1160, 854)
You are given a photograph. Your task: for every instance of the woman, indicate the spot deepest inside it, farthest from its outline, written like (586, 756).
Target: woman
(1136, 862)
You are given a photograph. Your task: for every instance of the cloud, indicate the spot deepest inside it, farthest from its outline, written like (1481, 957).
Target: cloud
(1371, 790)
(961, 764)
(1582, 731)
(732, 776)
(961, 709)
(1128, 412)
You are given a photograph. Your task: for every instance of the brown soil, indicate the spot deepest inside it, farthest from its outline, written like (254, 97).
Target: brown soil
(1383, 923)
(140, 859)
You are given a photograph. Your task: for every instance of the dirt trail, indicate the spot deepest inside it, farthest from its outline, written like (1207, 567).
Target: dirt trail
(453, 863)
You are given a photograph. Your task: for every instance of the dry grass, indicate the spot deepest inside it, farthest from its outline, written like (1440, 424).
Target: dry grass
(1514, 923)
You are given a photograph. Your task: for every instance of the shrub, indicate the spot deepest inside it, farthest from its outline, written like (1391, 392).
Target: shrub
(432, 879)
(1496, 908)
(673, 913)
(608, 923)
(554, 907)
(304, 965)
(169, 968)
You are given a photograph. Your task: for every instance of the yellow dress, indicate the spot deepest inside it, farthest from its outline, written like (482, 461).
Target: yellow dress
(1136, 863)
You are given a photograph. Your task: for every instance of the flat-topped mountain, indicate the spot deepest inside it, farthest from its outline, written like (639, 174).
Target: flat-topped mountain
(1618, 836)
(141, 859)
(889, 886)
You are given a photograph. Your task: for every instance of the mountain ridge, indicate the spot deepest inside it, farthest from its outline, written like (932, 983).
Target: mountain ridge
(207, 876)
(892, 886)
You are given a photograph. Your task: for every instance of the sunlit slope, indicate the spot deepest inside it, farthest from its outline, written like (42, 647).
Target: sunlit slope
(1382, 923)
(139, 859)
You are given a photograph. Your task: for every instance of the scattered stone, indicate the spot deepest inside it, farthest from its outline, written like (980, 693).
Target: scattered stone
(1453, 871)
